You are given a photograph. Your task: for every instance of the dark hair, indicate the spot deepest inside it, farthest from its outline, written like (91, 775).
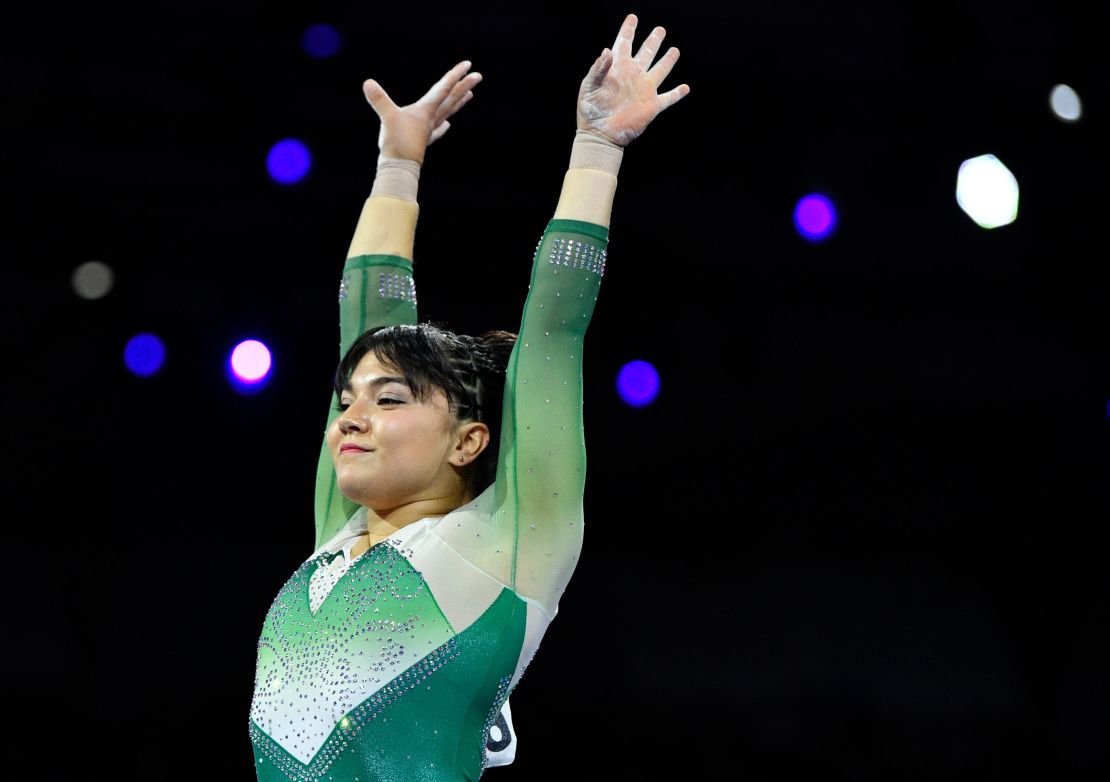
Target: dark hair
(469, 370)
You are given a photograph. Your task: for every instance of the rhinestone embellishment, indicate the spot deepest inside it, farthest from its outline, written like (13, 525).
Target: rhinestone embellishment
(578, 254)
(399, 287)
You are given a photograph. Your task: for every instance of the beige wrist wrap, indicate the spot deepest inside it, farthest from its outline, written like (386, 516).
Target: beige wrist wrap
(590, 150)
(396, 178)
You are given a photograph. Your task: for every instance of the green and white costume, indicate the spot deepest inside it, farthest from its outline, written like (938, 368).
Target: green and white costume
(397, 666)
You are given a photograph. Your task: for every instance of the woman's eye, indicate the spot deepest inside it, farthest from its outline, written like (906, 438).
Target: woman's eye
(388, 400)
(341, 406)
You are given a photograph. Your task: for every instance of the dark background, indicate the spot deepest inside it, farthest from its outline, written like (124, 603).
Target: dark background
(859, 534)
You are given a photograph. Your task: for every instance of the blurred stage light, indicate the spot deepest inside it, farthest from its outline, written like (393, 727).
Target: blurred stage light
(144, 354)
(249, 366)
(815, 217)
(92, 280)
(321, 40)
(987, 191)
(1065, 103)
(638, 383)
(288, 162)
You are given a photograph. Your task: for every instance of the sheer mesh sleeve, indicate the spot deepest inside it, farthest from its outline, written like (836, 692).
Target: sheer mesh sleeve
(542, 459)
(376, 290)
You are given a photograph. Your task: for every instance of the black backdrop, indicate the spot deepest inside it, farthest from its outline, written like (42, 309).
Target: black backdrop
(857, 535)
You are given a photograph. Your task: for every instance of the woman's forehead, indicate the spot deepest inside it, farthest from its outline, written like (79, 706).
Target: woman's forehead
(371, 371)
(371, 365)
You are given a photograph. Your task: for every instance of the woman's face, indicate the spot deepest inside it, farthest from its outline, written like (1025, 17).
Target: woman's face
(388, 447)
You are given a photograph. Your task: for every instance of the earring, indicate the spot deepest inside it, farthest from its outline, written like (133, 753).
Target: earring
(462, 458)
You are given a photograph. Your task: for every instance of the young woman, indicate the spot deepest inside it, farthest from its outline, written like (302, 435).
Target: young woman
(450, 485)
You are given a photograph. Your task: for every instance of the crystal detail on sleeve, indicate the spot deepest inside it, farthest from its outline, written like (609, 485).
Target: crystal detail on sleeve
(400, 287)
(577, 254)
(344, 285)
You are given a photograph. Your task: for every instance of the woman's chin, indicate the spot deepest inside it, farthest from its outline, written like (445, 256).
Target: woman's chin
(355, 491)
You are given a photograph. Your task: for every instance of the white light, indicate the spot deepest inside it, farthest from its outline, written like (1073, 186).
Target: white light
(987, 191)
(1065, 103)
(92, 280)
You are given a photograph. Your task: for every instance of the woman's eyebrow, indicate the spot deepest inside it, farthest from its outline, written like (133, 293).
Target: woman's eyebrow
(380, 381)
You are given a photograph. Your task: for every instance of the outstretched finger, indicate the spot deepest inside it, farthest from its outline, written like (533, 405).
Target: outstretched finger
(650, 46)
(441, 88)
(451, 103)
(379, 100)
(671, 97)
(439, 131)
(455, 106)
(662, 69)
(622, 47)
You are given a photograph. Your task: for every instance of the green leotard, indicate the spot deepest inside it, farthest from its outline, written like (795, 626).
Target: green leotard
(395, 667)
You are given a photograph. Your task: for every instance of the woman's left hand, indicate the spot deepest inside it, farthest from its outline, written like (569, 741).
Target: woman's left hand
(618, 98)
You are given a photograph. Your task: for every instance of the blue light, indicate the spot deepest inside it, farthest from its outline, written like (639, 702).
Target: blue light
(815, 217)
(321, 40)
(289, 161)
(638, 383)
(144, 354)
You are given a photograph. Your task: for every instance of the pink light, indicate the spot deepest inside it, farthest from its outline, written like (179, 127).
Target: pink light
(250, 361)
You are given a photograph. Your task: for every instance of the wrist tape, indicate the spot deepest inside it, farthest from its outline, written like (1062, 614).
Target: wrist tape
(396, 178)
(592, 151)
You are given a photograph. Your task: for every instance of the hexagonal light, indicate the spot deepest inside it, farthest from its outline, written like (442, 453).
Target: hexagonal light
(987, 191)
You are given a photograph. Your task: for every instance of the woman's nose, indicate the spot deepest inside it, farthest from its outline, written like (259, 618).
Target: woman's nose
(351, 423)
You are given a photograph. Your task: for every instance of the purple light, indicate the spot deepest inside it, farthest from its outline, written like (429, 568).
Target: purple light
(638, 383)
(321, 40)
(288, 161)
(144, 354)
(815, 217)
(250, 361)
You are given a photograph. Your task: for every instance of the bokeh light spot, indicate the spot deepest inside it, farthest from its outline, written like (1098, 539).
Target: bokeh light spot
(814, 217)
(144, 354)
(1065, 104)
(987, 191)
(289, 161)
(250, 361)
(638, 383)
(321, 40)
(92, 280)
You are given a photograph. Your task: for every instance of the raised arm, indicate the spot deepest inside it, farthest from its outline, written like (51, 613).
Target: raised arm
(541, 476)
(377, 287)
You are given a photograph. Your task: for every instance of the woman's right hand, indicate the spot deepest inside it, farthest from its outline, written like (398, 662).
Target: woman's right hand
(406, 131)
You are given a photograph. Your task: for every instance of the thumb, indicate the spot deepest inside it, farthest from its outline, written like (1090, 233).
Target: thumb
(377, 97)
(600, 68)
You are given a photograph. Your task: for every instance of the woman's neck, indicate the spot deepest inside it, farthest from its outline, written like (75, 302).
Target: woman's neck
(380, 524)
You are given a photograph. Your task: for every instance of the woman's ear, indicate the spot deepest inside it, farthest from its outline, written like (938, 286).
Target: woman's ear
(472, 438)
